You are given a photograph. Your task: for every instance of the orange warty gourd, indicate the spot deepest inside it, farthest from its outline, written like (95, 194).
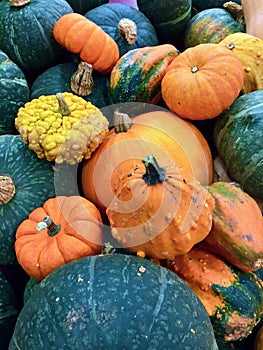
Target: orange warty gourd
(161, 132)
(161, 211)
(202, 81)
(64, 229)
(84, 37)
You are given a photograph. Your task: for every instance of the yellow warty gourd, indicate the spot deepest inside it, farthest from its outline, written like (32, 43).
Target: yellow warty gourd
(62, 127)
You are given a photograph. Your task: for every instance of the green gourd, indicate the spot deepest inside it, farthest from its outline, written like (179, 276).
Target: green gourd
(112, 301)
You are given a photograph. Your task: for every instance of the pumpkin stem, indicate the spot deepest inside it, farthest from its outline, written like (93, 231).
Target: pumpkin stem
(63, 108)
(7, 189)
(81, 81)
(128, 29)
(52, 228)
(18, 3)
(122, 122)
(154, 173)
(235, 10)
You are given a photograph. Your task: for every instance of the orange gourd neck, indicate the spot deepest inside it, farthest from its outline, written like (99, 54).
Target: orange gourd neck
(52, 228)
(154, 173)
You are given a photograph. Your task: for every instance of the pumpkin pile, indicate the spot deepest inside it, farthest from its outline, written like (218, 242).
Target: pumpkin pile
(131, 167)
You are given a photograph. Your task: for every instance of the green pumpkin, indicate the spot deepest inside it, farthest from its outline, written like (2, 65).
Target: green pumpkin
(200, 5)
(8, 312)
(14, 91)
(26, 33)
(113, 301)
(238, 135)
(210, 26)
(168, 17)
(25, 183)
(110, 16)
(83, 6)
(57, 79)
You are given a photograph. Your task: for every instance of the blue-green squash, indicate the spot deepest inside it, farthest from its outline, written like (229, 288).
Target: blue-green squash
(200, 5)
(129, 27)
(238, 135)
(8, 312)
(14, 91)
(113, 301)
(26, 32)
(58, 79)
(210, 26)
(25, 183)
(83, 6)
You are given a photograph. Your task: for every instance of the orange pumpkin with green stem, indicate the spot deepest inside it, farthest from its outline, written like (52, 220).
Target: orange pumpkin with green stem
(64, 229)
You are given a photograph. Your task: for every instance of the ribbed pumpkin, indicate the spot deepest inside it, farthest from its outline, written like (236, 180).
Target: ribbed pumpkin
(158, 131)
(113, 302)
(237, 229)
(249, 51)
(83, 37)
(210, 26)
(26, 32)
(65, 228)
(252, 10)
(233, 299)
(137, 75)
(87, 83)
(238, 136)
(14, 92)
(129, 27)
(202, 81)
(25, 183)
(161, 211)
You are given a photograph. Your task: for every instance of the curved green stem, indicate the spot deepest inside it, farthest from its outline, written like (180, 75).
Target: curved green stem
(154, 173)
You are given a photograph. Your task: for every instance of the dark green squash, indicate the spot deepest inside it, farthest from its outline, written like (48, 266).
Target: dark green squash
(14, 92)
(238, 135)
(31, 182)
(113, 18)
(26, 33)
(83, 6)
(200, 5)
(211, 26)
(168, 17)
(58, 79)
(8, 312)
(114, 301)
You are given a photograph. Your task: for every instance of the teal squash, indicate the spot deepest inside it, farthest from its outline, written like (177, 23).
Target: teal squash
(25, 183)
(200, 5)
(14, 91)
(137, 75)
(58, 79)
(34, 48)
(238, 135)
(168, 17)
(83, 6)
(113, 301)
(8, 312)
(129, 27)
(211, 26)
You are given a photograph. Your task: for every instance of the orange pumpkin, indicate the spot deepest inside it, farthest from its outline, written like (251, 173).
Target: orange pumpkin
(64, 229)
(202, 81)
(159, 132)
(84, 37)
(161, 211)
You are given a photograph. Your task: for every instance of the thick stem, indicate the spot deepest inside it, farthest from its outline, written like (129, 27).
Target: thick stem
(235, 10)
(18, 3)
(7, 189)
(128, 30)
(63, 108)
(82, 81)
(122, 122)
(52, 228)
(154, 173)
(132, 3)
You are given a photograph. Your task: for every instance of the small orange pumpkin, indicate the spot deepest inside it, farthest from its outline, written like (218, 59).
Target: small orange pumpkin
(64, 229)
(81, 36)
(202, 81)
(161, 211)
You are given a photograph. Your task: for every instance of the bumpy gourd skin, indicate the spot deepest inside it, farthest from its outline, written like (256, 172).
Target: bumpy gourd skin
(58, 135)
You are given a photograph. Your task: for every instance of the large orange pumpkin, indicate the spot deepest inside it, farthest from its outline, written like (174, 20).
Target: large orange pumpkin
(202, 81)
(159, 132)
(84, 37)
(64, 229)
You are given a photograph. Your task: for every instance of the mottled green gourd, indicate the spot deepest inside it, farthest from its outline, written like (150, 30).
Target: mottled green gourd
(113, 301)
